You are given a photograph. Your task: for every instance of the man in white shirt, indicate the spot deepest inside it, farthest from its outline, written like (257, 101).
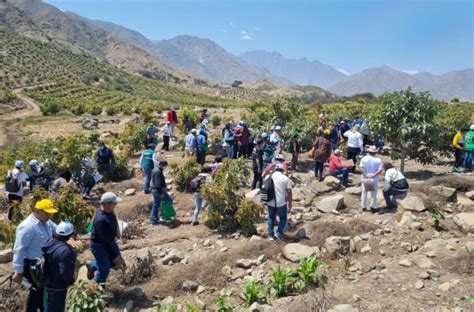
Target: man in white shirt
(371, 167)
(281, 204)
(275, 141)
(395, 185)
(355, 144)
(16, 188)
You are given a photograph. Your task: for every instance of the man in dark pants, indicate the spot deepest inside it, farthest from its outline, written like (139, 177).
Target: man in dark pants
(31, 235)
(458, 145)
(257, 164)
(105, 160)
(59, 264)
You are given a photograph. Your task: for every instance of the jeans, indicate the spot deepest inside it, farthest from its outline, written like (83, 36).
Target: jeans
(166, 142)
(147, 172)
(158, 195)
(373, 197)
(199, 203)
(230, 151)
(257, 178)
(344, 172)
(282, 213)
(318, 169)
(56, 300)
(468, 159)
(35, 300)
(388, 197)
(103, 261)
(352, 154)
(87, 188)
(458, 156)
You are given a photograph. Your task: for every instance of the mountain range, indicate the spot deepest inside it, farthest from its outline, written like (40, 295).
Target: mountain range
(190, 60)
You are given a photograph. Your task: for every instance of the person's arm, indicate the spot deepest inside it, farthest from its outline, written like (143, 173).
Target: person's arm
(387, 181)
(141, 161)
(97, 157)
(361, 143)
(347, 133)
(24, 237)
(66, 267)
(290, 195)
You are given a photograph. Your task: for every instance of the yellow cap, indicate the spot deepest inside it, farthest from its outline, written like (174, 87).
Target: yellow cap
(327, 132)
(46, 205)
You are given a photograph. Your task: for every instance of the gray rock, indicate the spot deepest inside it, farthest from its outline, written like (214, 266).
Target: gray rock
(416, 226)
(465, 221)
(200, 290)
(448, 193)
(405, 263)
(366, 249)
(343, 308)
(331, 203)
(354, 190)
(434, 244)
(138, 293)
(470, 194)
(144, 255)
(419, 284)
(412, 202)
(189, 285)
(6, 256)
(406, 220)
(423, 262)
(332, 182)
(128, 306)
(445, 287)
(470, 247)
(338, 246)
(301, 233)
(254, 195)
(256, 307)
(295, 251)
(424, 275)
(130, 192)
(246, 263)
(226, 270)
(173, 256)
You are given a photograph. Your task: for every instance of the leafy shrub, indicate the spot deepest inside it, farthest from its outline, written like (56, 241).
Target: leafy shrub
(247, 214)
(192, 308)
(7, 233)
(308, 272)
(86, 296)
(189, 113)
(50, 109)
(253, 292)
(282, 281)
(436, 216)
(183, 173)
(216, 121)
(168, 308)
(223, 304)
(134, 135)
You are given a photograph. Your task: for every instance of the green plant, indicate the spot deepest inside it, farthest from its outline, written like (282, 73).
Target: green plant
(7, 233)
(223, 304)
(216, 121)
(282, 281)
(86, 296)
(168, 308)
(183, 173)
(252, 292)
(247, 214)
(436, 216)
(308, 271)
(192, 308)
(468, 298)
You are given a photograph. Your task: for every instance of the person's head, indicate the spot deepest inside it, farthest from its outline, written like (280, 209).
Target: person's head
(205, 110)
(320, 131)
(471, 127)
(338, 152)
(356, 128)
(44, 209)
(34, 164)
(151, 146)
(101, 144)
(19, 164)
(280, 158)
(193, 131)
(279, 167)
(327, 132)
(387, 166)
(264, 136)
(463, 130)
(278, 129)
(163, 163)
(66, 174)
(260, 143)
(109, 200)
(151, 125)
(372, 150)
(272, 128)
(296, 134)
(346, 120)
(228, 125)
(64, 231)
(88, 162)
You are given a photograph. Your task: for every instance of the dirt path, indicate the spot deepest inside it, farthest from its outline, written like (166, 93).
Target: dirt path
(9, 122)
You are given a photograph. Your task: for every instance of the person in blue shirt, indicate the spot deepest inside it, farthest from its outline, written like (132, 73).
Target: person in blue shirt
(105, 160)
(229, 140)
(31, 235)
(190, 143)
(201, 146)
(147, 162)
(59, 264)
(103, 242)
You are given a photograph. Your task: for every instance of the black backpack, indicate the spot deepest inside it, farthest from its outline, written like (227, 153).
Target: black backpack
(11, 184)
(267, 192)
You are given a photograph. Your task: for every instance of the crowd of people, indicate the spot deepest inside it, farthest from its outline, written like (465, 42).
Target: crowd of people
(37, 237)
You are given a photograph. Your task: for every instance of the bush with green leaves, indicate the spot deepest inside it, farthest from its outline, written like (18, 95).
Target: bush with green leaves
(216, 121)
(436, 216)
(167, 308)
(86, 296)
(282, 282)
(223, 304)
(7, 233)
(253, 292)
(183, 173)
(308, 274)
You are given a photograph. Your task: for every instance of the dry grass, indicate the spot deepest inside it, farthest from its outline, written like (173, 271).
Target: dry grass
(457, 182)
(320, 230)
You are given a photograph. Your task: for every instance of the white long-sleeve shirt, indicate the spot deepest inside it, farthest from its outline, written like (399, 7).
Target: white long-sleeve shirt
(166, 130)
(354, 139)
(391, 175)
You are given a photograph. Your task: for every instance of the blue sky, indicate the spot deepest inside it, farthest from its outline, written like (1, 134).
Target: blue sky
(351, 35)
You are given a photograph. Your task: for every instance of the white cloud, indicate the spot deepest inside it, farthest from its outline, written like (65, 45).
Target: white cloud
(410, 71)
(345, 72)
(256, 28)
(245, 35)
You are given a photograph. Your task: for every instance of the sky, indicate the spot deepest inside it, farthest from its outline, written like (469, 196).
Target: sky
(351, 35)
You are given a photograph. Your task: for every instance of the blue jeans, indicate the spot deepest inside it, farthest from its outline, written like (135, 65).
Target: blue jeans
(56, 300)
(468, 156)
(199, 202)
(344, 172)
(86, 189)
(282, 213)
(388, 196)
(103, 261)
(158, 196)
(230, 151)
(147, 172)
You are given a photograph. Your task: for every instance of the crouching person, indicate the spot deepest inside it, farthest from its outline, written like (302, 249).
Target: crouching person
(59, 264)
(395, 186)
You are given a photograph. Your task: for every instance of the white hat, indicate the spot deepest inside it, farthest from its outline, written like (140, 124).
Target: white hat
(19, 163)
(279, 167)
(110, 197)
(264, 135)
(278, 128)
(33, 162)
(64, 228)
(372, 150)
(272, 128)
(471, 127)
(280, 156)
(193, 131)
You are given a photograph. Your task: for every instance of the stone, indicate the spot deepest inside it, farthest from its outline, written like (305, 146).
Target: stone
(256, 307)
(301, 233)
(332, 182)
(423, 262)
(168, 300)
(445, 287)
(434, 244)
(419, 284)
(405, 263)
(207, 243)
(338, 246)
(343, 308)
(470, 247)
(413, 203)
(189, 285)
(465, 221)
(130, 192)
(424, 275)
(223, 249)
(226, 270)
(261, 259)
(128, 306)
(464, 201)
(366, 249)
(470, 194)
(6, 256)
(448, 193)
(356, 298)
(173, 256)
(295, 251)
(254, 195)
(354, 190)
(331, 203)
(246, 263)
(138, 293)
(144, 255)
(382, 253)
(311, 216)
(185, 261)
(200, 290)
(416, 226)
(433, 273)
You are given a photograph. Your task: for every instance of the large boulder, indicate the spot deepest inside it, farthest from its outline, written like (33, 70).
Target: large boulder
(412, 202)
(173, 256)
(6, 256)
(295, 251)
(465, 221)
(254, 195)
(338, 246)
(331, 203)
(448, 193)
(354, 190)
(423, 262)
(246, 263)
(144, 255)
(406, 220)
(434, 244)
(332, 182)
(470, 194)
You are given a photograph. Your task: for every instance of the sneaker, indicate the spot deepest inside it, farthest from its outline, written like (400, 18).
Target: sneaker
(147, 192)
(90, 271)
(194, 223)
(363, 210)
(374, 210)
(271, 237)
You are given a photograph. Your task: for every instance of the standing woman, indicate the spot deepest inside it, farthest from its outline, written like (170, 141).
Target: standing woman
(322, 146)
(355, 144)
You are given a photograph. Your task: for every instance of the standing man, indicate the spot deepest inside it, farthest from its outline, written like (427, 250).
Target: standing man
(201, 146)
(190, 143)
(469, 148)
(172, 117)
(371, 167)
(105, 160)
(281, 204)
(166, 130)
(147, 163)
(275, 140)
(229, 140)
(151, 131)
(15, 183)
(257, 164)
(458, 144)
(104, 236)
(196, 185)
(59, 264)
(243, 137)
(322, 146)
(31, 235)
(159, 190)
(294, 149)
(355, 144)
(203, 115)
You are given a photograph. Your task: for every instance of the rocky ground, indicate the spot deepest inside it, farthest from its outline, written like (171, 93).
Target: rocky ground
(389, 262)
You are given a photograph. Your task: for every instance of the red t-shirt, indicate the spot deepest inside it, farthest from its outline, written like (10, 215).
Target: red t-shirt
(335, 163)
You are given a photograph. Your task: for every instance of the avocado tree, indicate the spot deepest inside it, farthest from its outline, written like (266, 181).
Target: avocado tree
(407, 121)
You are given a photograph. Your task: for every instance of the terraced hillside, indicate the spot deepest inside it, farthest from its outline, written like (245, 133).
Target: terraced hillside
(80, 83)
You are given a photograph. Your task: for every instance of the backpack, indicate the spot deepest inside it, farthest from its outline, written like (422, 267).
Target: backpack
(267, 192)
(43, 180)
(196, 183)
(37, 271)
(11, 183)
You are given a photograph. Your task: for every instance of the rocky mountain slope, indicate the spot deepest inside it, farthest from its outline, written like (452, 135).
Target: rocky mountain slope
(300, 71)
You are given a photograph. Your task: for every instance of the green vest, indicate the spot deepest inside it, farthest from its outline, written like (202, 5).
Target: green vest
(469, 141)
(147, 161)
